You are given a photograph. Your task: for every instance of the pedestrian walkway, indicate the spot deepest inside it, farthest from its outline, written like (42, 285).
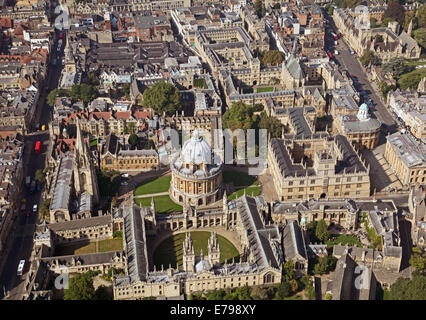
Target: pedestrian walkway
(166, 193)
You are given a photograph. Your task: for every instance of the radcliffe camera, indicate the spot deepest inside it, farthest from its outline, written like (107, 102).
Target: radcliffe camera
(174, 151)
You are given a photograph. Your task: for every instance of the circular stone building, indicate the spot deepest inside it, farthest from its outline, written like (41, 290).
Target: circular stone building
(196, 180)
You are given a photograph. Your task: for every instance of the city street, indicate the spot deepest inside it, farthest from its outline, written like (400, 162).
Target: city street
(21, 241)
(350, 62)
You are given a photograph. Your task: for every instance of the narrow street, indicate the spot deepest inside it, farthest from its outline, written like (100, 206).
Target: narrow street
(20, 243)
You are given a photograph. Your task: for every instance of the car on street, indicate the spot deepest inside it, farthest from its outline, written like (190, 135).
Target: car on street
(35, 207)
(124, 183)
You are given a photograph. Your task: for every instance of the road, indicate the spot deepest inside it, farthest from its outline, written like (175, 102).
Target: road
(350, 62)
(21, 238)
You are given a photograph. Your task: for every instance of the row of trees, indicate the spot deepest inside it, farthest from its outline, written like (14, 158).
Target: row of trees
(84, 92)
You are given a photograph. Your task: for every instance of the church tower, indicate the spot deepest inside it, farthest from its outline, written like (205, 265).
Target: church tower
(188, 258)
(69, 63)
(213, 250)
(85, 179)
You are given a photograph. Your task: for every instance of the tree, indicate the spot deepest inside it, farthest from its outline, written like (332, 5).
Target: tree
(240, 116)
(373, 23)
(293, 285)
(397, 66)
(259, 293)
(80, 287)
(40, 176)
(149, 145)
(325, 265)
(368, 57)
(43, 212)
(133, 140)
(418, 259)
(385, 88)
(272, 124)
(51, 97)
(283, 291)
(84, 92)
(162, 97)
(328, 296)
(102, 293)
(396, 11)
(406, 289)
(288, 270)
(216, 295)
(321, 231)
(259, 8)
(93, 79)
(273, 57)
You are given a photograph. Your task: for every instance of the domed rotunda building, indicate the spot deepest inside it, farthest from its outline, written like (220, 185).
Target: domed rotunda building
(196, 179)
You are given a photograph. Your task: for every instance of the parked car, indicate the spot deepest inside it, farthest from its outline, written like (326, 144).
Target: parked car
(124, 183)
(35, 207)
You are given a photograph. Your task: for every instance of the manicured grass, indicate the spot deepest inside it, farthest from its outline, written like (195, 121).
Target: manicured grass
(255, 191)
(247, 90)
(93, 142)
(411, 79)
(239, 179)
(163, 204)
(344, 239)
(80, 248)
(157, 185)
(265, 89)
(110, 245)
(170, 250)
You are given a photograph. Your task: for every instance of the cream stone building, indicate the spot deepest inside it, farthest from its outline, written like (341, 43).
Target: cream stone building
(74, 174)
(317, 167)
(196, 174)
(362, 130)
(406, 157)
(261, 259)
(360, 37)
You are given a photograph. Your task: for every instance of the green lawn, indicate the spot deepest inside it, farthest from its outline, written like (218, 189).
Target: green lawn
(265, 89)
(247, 90)
(411, 79)
(157, 185)
(170, 250)
(93, 142)
(255, 191)
(344, 239)
(110, 245)
(80, 248)
(163, 204)
(239, 179)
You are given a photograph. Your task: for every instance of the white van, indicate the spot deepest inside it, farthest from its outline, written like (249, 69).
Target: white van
(21, 267)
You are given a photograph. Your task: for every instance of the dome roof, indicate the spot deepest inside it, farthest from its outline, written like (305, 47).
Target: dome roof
(196, 150)
(363, 107)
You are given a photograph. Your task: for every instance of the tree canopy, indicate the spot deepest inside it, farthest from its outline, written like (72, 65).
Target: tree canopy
(418, 259)
(406, 289)
(133, 140)
(51, 97)
(325, 265)
(260, 9)
(321, 231)
(368, 57)
(395, 11)
(84, 92)
(273, 57)
(273, 125)
(80, 287)
(240, 116)
(397, 66)
(162, 97)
